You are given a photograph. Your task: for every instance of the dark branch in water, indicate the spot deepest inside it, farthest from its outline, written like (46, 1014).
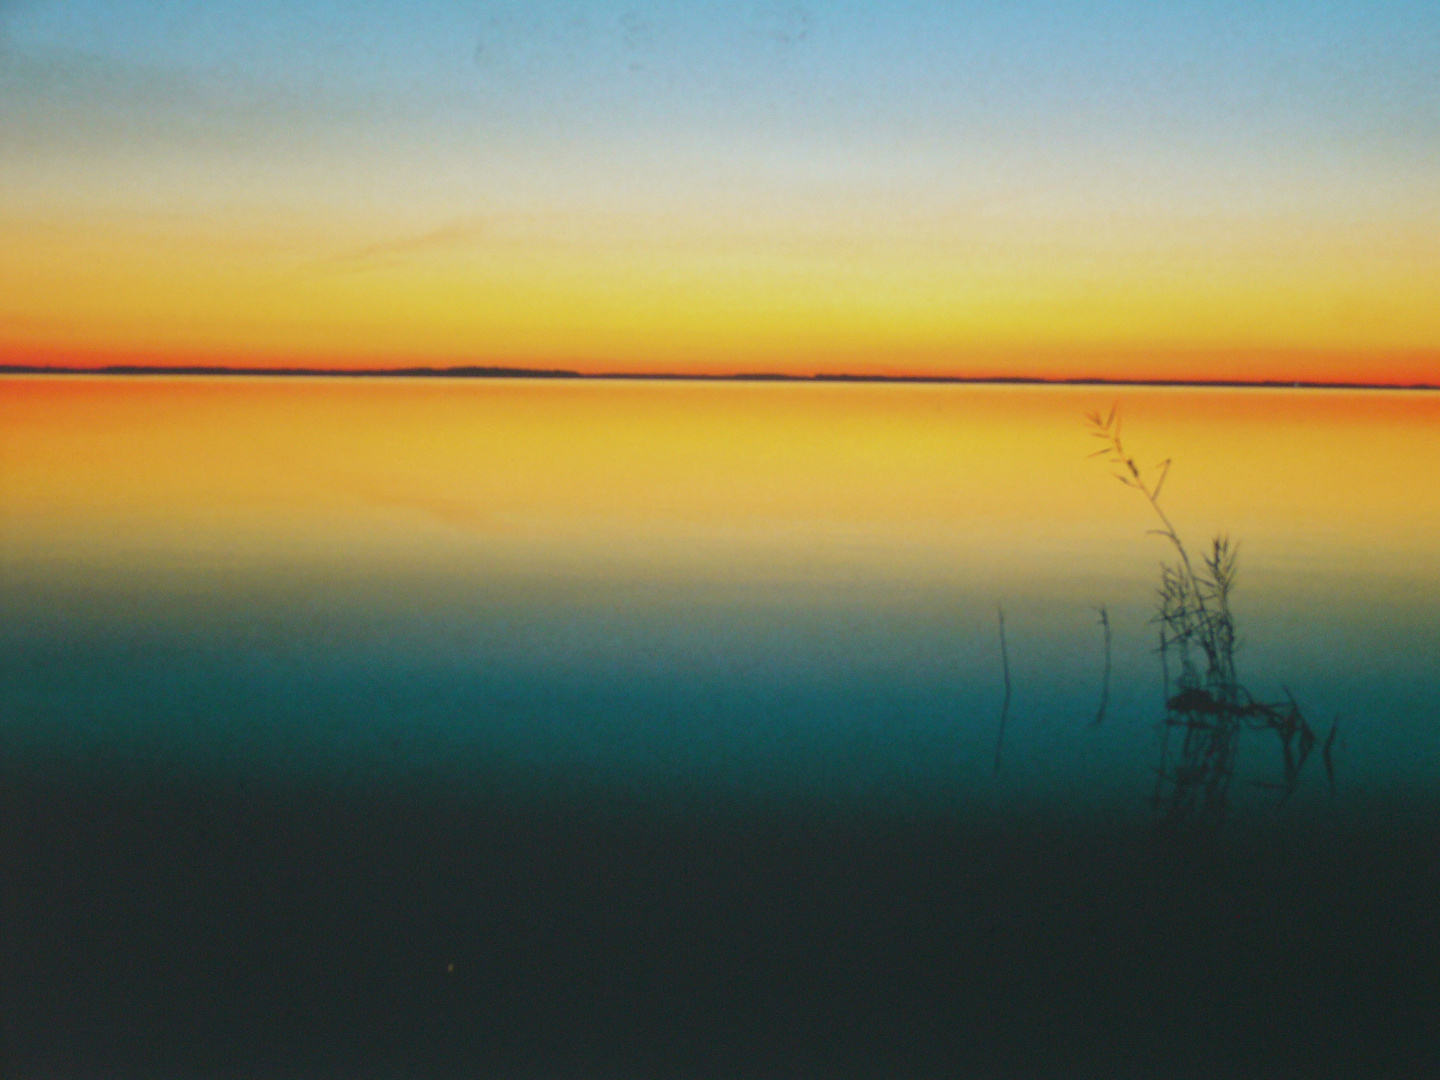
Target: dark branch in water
(1105, 679)
(1005, 704)
(1164, 652)
(1325, 753)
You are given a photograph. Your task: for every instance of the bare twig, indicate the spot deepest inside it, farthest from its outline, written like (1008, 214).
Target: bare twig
(1105, 679)
(1325, 753)
(1005, 704)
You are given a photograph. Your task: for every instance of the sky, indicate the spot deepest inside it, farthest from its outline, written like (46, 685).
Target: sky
(1113, 189)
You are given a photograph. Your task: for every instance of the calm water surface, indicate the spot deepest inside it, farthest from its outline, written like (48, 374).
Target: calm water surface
(730, 589)
(314, 688)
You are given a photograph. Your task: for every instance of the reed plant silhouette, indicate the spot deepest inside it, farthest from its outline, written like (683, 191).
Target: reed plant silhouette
(1206, 706)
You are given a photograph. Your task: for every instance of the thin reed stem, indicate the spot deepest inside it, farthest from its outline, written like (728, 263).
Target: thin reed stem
(1105, 679)
(1005, 704)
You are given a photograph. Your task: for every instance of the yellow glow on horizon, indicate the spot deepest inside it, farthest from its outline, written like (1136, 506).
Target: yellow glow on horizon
(595, 298)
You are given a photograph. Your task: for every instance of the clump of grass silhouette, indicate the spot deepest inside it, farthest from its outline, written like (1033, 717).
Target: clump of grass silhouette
(1206, 707)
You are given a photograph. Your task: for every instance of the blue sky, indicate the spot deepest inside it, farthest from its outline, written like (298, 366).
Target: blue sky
(1272, 127)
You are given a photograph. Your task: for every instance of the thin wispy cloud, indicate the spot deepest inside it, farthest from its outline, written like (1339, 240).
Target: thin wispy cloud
(457, 234)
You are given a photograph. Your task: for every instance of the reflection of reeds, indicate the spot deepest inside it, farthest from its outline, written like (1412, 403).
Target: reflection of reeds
(1005, 704)
(1204, 701)
(1105, 679)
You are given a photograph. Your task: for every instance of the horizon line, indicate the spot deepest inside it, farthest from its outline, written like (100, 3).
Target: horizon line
(491, 372)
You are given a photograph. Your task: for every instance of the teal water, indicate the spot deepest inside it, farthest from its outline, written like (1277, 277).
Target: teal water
(192, 615)
(313, 690)
(738, 693)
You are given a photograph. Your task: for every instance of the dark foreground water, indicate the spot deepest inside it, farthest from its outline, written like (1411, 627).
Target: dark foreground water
(155, 928)
(434, 729)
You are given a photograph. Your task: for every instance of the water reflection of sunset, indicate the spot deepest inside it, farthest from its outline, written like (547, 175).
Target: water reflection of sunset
(937, 477)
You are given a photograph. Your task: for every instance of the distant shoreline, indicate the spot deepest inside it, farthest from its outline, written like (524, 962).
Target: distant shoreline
(474, 372)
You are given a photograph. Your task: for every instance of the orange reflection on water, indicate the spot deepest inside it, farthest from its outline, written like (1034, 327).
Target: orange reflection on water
(701, 477)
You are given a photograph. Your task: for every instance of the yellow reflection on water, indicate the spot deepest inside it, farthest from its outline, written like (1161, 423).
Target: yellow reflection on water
(827, 480)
